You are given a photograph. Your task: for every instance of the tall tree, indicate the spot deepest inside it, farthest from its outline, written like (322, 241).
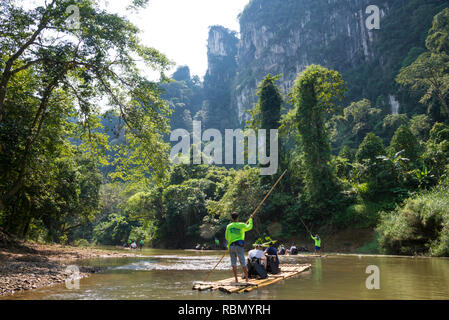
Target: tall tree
(404, 140)
(357, 120)
(53, 71)
(315, 94)
(430, 72)
(267, 113)
(370, 148)
(269, 104)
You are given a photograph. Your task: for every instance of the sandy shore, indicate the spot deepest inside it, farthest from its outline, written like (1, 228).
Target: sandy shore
(31, 266)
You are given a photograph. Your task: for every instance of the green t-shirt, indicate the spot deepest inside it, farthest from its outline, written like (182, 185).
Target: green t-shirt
(235, 231)
(317, 241)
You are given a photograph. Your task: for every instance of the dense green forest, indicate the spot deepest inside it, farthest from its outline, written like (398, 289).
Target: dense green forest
(70, 173)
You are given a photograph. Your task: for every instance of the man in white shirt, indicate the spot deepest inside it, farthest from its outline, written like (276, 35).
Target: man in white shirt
(258, 253)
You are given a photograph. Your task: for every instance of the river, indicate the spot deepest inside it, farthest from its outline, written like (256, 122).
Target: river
(170, 274)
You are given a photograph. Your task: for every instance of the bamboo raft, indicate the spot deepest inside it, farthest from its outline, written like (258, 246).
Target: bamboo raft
(229, 285)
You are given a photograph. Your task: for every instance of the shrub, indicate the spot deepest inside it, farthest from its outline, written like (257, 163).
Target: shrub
(421, 226)
(405, 140)
(359, 215)
(370, 247)
(63, 240)
(370, 148)
(81, 243)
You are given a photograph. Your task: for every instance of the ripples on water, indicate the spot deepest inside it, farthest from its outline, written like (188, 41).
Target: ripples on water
(167, 262)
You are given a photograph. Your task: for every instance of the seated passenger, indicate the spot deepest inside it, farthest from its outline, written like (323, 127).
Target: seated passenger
(272, 259)
(272, 251)
(282, 250)
(258, 253)
(293, 250)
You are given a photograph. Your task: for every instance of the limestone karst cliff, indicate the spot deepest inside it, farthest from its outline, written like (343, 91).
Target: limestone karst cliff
(283, 37)
(217, 111)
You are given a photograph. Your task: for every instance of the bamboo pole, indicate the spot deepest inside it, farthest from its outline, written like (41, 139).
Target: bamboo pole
(305, 226)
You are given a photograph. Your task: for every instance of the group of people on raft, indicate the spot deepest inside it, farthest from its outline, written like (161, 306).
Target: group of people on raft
(133, 245)
(263, 259)
(207, 247)
(294, 250)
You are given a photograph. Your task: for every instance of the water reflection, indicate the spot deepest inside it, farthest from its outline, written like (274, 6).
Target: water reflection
(317, 271)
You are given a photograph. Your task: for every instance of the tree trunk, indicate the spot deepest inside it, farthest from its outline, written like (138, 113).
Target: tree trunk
(31, 139)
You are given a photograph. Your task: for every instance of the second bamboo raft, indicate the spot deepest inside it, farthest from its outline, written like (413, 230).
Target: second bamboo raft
(229, 285)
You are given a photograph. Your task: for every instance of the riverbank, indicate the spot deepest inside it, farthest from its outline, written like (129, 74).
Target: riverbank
(350, 241)
(26, 266)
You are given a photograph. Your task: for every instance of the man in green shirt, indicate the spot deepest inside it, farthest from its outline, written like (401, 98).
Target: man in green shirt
(141, 244)
(317, 243)
(217, 243)
(235, 235)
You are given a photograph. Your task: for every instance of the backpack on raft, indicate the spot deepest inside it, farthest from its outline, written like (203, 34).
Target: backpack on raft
(273, 265)
(256, 270)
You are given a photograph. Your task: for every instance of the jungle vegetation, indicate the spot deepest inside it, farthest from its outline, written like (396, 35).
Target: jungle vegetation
(70, 173)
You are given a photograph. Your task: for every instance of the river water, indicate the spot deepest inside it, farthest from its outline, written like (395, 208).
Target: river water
(170, 274)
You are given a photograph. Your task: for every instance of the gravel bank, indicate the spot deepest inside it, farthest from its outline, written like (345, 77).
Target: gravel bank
(27, 266)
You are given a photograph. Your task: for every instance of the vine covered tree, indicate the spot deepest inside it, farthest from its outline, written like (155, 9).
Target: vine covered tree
(315, 94)
(267, 113)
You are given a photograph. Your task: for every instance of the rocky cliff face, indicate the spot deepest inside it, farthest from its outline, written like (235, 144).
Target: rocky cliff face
(284, 37)
(222, 47)
(217, 110)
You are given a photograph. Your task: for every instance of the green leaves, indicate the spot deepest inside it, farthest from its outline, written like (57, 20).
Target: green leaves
(438, 39)
(429, 74)
(358, 119)
(404, 141)
(316, 92)
(420, 226)
(52, 78)
(328, 85)
(266, 114)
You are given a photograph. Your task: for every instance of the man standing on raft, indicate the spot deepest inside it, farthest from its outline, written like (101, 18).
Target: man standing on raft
(317, 243)
(235, 235)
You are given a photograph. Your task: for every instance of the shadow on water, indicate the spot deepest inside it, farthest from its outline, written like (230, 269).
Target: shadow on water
(163, 274)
